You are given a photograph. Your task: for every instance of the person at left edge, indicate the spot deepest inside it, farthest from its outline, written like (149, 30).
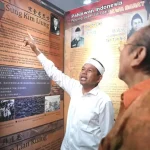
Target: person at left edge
(90, 114)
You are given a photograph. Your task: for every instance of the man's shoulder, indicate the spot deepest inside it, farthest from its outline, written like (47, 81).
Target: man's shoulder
(73, 40)
(143, 99)
(104, 96)
(73, 43)
(81, 39)
(140, 105)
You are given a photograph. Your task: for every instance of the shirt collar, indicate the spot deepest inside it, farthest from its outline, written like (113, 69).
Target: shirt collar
(94, 91)
(130, 95)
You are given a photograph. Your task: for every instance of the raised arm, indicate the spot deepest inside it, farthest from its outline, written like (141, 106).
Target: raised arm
(53, 72)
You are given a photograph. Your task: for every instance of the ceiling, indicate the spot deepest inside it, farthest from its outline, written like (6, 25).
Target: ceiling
(67, 5)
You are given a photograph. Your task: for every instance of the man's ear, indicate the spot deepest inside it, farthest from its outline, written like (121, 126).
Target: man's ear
(100, 78)
(138, 56)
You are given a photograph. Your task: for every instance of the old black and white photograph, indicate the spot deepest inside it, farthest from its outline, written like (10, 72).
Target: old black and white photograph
(7, 111)
(55, 25)
(77, 37)
(52, 103)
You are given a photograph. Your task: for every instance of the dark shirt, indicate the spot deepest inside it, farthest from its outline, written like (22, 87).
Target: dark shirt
(55, 30)
(77, 43)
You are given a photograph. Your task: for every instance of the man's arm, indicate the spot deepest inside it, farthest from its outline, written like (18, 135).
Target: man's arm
(106, 118)
(30, 41)
(53, 72)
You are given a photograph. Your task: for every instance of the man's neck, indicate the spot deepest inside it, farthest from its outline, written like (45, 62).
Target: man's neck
(139, 77)
(87, 89)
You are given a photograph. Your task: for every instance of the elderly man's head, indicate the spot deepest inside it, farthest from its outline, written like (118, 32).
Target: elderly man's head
(135, 56)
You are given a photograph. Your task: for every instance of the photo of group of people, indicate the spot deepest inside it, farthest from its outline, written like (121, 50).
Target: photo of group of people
(30, 106)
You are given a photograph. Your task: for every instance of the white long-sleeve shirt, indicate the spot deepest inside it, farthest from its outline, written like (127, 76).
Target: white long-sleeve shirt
(90, 115)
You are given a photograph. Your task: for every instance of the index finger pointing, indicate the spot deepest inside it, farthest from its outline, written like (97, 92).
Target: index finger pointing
(30, 36)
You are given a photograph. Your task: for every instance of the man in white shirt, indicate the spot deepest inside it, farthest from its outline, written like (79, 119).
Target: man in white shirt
(90, 114)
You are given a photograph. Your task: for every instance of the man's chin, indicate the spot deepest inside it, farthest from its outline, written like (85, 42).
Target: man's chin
(120, 76)
(82, 83)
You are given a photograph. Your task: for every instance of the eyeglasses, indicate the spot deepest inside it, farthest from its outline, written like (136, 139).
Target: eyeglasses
(122, 45)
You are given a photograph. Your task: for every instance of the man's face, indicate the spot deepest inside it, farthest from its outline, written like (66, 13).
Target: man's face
(126, 57)
(55, 22)
(88, 76)
(137, 24)
(78, 35)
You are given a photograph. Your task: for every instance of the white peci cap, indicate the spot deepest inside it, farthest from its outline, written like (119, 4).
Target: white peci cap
(96, 63)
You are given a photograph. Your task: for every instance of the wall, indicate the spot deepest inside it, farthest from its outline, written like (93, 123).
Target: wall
(104, 25)
(31, 106)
